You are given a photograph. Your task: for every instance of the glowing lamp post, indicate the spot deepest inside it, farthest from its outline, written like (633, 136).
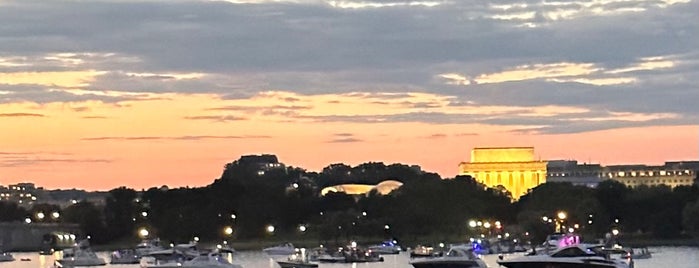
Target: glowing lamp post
(143, 233)
(228, 231)
(562, 215)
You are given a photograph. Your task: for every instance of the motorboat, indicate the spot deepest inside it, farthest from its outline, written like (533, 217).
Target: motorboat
(386, 247)
(357, 254)
(173, 257)
(329, 257)
(282, 249)
(574, 256)
(296, 264)
(80, 255)
(421, 251)
(640, 253)
(147, 246)
(167, 258)
(6, 256)
(456, 257)
(124, 256)
(298, 260)
(210, 260)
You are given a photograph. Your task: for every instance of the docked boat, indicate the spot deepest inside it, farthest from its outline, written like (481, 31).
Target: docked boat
(124, 256)
(329, 257)
(456, 257)
(211, 260)
(298, 260)
(386, 247)
(148, 246)
(80, 255)
(640, 253)
(357, 254)
(421, 251)
(575, 256)
(296, 264)
(6, 256)
(283, 249)
(169, 258)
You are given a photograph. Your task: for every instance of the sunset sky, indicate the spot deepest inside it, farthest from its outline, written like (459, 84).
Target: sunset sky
(107, 93)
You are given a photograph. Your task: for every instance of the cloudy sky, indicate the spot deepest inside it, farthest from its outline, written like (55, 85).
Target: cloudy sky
(100, 94)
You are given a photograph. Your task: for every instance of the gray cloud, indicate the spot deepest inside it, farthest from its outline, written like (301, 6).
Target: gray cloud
(314, 48)
(194, 137)
(345, 140)
(21, 115)
(216, 118)
(16, 159)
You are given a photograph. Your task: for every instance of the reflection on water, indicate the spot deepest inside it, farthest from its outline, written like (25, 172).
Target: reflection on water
(670, 257)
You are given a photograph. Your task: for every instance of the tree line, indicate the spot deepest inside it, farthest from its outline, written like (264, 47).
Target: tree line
(244, 203)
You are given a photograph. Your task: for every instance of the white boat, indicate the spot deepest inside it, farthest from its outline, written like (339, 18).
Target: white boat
(298, 260)
(386, 247)
(211, 260)
(169, 258)
(80, 255)
(575, 256)
(124, 256)
(283, 249)
(421, 251)
(6, 256)
(148, 246)
(456, 257)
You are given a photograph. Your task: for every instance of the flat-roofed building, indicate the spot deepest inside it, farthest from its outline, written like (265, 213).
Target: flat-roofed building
(585, 174)
(514, 168)
(672, 174)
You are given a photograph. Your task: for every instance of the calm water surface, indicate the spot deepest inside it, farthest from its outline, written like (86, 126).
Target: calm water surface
(666, 257)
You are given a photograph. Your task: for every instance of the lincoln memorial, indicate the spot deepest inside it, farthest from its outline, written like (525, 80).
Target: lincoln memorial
(514, 168)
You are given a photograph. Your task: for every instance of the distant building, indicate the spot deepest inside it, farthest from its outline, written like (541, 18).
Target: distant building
(384, 188)
(262, 163)
(514, 168)
(589, 175)
(25, 194)
(672, 174)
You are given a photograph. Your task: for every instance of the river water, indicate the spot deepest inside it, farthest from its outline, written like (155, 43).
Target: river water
(666, 257)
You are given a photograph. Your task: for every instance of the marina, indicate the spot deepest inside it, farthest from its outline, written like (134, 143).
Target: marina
(670, 257)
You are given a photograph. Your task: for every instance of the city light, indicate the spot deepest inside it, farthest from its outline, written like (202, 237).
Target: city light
(40, 215)
(55, 215)
(472, 224)
(615, 232)
(144, 214)
(386, 227)
(270, 229)
(302, 228)
(143, 232)
(562, 215)
(228, 230)
(28, 220)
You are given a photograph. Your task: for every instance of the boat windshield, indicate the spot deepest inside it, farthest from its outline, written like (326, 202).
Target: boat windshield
(460, 252)
(572, 252)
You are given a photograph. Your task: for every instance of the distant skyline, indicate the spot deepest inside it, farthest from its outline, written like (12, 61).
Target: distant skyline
(108, 93)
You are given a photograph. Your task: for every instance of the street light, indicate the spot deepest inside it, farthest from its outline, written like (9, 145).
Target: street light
(562, 215)
(228, 231)
(302, 228)
(472, 224)
(270, 229)
(55, 215)
(40, 215)
(143, 232)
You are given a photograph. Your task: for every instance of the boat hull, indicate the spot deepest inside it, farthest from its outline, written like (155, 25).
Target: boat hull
(293, 264)
(543, 264)
(447, 264)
